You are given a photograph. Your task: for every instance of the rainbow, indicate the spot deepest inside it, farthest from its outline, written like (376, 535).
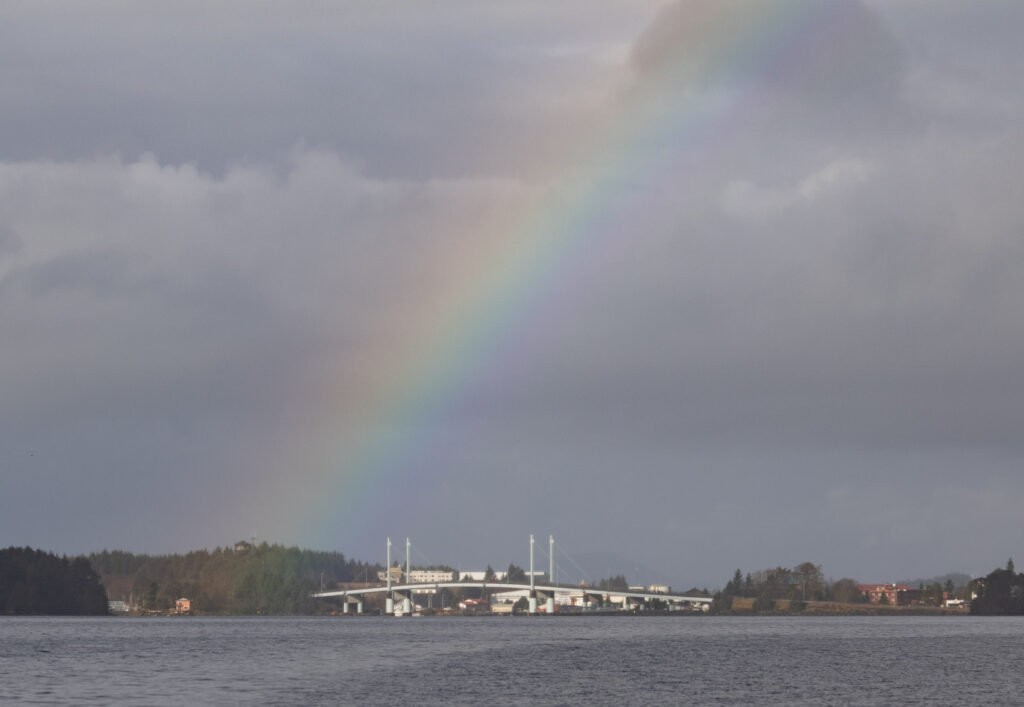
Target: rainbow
(368, 419)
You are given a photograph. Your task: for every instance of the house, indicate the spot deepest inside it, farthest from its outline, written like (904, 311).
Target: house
(396, 575)
(475, 605)
(183, 606)
(243, 546)
(894, 594)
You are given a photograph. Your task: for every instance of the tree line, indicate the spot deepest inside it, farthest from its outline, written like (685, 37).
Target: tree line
(803, 583)
(806, 582)
(38, 582)
(1000, 593)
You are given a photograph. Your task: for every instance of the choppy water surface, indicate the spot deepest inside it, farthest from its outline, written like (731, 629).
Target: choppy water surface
(535, 661)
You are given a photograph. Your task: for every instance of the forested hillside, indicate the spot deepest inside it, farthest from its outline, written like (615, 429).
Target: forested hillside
(266, 579)
(37, 582)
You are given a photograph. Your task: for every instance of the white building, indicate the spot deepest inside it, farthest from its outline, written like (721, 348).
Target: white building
(429, 576)
(479, 576)
(416, 576)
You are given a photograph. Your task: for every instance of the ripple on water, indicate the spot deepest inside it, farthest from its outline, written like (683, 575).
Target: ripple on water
(594, 660)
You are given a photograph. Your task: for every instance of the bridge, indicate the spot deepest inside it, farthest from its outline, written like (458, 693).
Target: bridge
(403, 592)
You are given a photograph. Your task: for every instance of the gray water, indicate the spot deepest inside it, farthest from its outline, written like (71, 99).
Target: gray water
(499, 661)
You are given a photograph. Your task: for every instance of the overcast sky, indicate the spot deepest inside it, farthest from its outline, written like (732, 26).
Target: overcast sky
(789, 329)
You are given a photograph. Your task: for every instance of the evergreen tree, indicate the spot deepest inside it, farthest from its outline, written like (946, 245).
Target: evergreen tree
(37, 582)
(516, 575)
(1001, 593)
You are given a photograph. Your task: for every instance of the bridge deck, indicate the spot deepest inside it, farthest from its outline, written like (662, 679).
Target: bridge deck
(507, 587)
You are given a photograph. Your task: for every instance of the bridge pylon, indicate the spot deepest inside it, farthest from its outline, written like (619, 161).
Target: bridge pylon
(407, 598)
(549, 605)
(389, 601)
(533, 589)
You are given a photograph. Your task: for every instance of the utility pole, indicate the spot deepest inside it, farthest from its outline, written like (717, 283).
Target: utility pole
(408, 575)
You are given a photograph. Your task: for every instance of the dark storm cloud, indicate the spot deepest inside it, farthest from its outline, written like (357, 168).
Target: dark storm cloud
(804, 346)
(828, 339)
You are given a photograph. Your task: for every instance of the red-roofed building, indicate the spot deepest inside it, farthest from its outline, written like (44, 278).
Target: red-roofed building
(895, 594)
(475, 605)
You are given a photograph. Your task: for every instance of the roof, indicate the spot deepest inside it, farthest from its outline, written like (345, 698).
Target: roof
(890, 587)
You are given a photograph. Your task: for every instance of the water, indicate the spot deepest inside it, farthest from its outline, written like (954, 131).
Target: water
(499, 661)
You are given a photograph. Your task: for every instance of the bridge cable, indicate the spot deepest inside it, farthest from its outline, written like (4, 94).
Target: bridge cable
(583, 572)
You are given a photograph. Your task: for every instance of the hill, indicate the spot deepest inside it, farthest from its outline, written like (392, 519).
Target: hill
(246, 579)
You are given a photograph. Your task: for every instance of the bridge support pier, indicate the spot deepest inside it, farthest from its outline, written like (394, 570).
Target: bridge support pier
(359, 607)
(401, 604)
(389, 606)
(533, 605)
(549, 601)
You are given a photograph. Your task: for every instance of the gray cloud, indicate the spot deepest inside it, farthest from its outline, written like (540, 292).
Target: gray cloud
(9, 240)
(799, 340)
(811, 67)
(214, 84)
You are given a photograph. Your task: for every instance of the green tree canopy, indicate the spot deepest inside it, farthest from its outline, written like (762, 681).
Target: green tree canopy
(1001, 593)
(516, 575)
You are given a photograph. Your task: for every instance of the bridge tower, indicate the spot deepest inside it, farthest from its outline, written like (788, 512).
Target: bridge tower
(551, 559)
(389, 601)
(549, 605)
(407, 599)
(532, 590)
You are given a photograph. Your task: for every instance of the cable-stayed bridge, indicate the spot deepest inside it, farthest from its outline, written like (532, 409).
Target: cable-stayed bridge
(398, 596)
